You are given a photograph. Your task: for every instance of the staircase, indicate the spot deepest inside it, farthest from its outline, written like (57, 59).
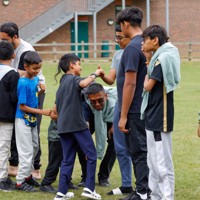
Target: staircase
(57, 16)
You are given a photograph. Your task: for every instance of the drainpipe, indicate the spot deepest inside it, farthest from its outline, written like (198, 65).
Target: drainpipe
(148, 11)
(123, 4)
(167, 16)
(76, 32)
(95, 33)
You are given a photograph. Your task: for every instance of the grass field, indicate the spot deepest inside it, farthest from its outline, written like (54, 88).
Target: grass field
(186, 144)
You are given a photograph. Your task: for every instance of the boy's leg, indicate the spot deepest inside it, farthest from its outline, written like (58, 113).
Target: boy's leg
(13, 160)
(37, 159)
(153, 172)
(164, 164)
(108, 160)
(137, 145)
(123, 156)
(85, 141)
(55, 159)
(6, 130)
(27, 145)
(69, 152)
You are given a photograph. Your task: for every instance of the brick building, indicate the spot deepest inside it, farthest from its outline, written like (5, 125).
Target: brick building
(54, 21)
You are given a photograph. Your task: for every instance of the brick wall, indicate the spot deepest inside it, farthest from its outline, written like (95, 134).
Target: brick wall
(184, 25)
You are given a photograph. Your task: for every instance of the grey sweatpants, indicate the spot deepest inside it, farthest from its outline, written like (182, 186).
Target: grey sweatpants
(161, 169)
(27, 147)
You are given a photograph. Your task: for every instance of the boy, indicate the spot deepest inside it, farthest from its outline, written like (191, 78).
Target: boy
(123, 156)
(130, 80)
(8, 103)
(72, 127)
(26, 120)
(158, 109)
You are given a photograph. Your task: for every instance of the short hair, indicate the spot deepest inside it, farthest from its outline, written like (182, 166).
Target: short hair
(10, 28)
(32, 57)
(156, 31)
(64, 63)
(94, 88)
(118, 28)
(133, 15)
(6, 50)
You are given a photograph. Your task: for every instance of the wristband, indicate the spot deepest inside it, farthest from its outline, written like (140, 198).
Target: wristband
(94, 75)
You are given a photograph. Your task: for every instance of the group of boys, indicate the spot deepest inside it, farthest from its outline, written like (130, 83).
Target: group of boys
(142, 117)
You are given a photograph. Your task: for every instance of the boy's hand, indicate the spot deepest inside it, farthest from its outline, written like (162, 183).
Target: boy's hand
(46, 112)
(100, 72)
(42, 87)
(54, 115)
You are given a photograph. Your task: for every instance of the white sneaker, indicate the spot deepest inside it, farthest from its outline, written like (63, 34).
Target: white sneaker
(60, 196)
(89, 194)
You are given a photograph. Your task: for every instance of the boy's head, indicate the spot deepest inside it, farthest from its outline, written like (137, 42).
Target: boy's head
(120, 38)
(32, 62)
(97, 96)
(6, 50)
(132, 16)
(67, 61)
(154, 37)
(9, 31)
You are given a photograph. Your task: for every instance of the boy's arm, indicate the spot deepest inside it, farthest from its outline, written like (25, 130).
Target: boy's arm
(127, 97)
(110, 78)
(149, 83)
(28, 109)
(87, 81)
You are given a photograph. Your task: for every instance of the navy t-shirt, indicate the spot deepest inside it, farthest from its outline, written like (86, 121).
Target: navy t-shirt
(132, 60)
(159, 114)
(69, 105)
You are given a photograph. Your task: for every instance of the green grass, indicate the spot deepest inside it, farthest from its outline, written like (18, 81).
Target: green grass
(186, 147)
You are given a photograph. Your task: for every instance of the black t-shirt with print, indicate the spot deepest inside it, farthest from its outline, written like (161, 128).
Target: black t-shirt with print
(159, 114)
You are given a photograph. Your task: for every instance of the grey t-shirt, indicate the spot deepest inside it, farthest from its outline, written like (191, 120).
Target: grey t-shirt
(69, 105)
(116, 60)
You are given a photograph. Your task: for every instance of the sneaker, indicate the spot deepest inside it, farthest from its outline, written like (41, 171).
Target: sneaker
(89, 194)
(82, 183)
(133, 196)
(72, 186)
(121, 191)
(31, 181)
(6, 185)
(48, 188)
(104, 183)
(25, 187)
(36, 174)
(12, 170)
(61, 196)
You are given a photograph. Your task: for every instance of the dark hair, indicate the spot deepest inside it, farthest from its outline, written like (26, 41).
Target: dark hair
(133, 15)
(10, 28)
(156, 31)
(32, 57)
(6, 50)
(118, 28)
(64, 63)
(94, 88)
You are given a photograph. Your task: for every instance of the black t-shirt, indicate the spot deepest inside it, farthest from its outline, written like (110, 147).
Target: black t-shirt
(159, 114)
(132, 60)
(69, 105)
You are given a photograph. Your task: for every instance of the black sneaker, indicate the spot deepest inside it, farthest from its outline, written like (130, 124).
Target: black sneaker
(104, 183)
(7, 185)
(82, 183)
(48, 188)
(121, 191)
(31, 181)
(72, 186)
(25, 187)
(133, 196)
